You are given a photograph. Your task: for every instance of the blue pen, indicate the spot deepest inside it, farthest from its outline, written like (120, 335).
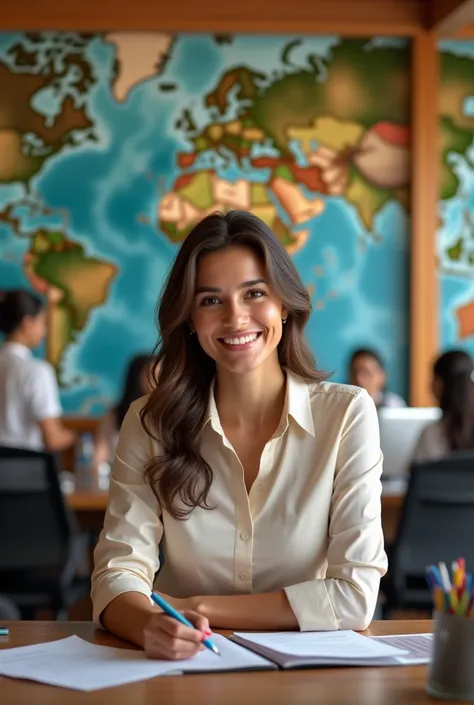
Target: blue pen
(158, 600)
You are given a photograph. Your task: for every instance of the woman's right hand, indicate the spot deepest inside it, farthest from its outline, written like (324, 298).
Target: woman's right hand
(166, 638)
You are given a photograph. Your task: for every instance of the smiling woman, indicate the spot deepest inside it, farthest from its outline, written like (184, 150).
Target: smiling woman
(231, 278)
(258, 480)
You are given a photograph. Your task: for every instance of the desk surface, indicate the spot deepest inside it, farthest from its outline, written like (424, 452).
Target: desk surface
(396, 685)
(96, 500)
(88, 500)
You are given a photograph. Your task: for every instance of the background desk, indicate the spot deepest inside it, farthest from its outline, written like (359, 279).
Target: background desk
(391, 510)
(90, 507)
(345, 686)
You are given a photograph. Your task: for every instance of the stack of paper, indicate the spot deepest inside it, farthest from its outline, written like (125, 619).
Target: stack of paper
(75, 663)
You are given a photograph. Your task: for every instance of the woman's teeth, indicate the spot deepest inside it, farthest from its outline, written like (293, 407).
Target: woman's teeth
(242, 340)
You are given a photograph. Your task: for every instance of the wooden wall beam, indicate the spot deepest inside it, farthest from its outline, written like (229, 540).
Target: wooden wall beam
(446, 17)
(424, 304)
(342, 17)
(466, 32)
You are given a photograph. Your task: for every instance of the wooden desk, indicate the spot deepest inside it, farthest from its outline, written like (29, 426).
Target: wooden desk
(88, 501)
(96, 501)
(404, 685)
(78, 424)
(90, 507)
(391, 510)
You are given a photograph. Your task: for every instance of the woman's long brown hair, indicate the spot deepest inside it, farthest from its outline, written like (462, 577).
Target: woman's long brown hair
(175, 411)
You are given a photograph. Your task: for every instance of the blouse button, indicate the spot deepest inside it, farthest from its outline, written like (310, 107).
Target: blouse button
(244, 536)
(243, 576)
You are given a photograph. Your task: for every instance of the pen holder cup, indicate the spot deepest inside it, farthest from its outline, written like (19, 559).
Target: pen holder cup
(451, 671)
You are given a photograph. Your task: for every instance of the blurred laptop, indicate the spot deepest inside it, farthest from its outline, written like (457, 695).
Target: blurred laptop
(399, 433)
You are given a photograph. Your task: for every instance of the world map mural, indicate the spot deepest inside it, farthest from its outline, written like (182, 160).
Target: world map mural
(114, 145)
(455, 241)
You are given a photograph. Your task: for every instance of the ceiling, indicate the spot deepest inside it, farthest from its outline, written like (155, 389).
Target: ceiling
(346, 17)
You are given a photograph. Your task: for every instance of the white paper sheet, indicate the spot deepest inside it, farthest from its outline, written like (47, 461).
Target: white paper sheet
(78, 664)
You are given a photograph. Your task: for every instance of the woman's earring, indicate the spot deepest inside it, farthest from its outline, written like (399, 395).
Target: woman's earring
(284, 320)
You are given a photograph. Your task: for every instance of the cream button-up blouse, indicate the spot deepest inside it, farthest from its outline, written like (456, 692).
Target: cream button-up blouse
(311, 524)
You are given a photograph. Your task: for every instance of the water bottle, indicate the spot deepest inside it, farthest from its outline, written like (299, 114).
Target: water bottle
(84, 461)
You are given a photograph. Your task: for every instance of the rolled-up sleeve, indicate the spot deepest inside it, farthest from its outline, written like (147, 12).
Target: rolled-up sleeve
(126, 555)
(347, 596)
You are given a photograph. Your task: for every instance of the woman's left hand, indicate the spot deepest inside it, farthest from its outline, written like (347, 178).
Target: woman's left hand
(194, 604)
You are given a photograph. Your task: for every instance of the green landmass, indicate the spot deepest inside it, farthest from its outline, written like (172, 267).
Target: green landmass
(456, 84)
(198, 190)
(83, 283)
(454, 252)
(259, 194)
(366, 198)
(282, 232)
(337, 134)
(246, 81)
(173, 233)
(457, 129)
(284, 172)
(452, 140)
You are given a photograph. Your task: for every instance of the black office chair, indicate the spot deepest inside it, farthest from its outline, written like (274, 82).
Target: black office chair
(41, 548)
(8, 609)
(436, 524)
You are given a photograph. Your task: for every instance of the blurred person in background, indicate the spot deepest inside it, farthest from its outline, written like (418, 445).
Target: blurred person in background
(138, 383)
(367, 370)
(453, 389)
(30, 410)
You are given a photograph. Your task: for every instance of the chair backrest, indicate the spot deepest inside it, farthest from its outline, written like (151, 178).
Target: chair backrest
(437, 521)
(35, 525)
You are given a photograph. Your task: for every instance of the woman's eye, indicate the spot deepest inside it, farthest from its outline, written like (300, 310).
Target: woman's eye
(209, 301)
(255, 293)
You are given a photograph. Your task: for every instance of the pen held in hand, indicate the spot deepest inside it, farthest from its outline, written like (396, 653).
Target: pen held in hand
(171, 612)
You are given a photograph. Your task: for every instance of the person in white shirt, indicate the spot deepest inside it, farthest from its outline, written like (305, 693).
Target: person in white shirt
(453, 388)
(30, 409)
(367, 370)
(259, 480)
(138, 382)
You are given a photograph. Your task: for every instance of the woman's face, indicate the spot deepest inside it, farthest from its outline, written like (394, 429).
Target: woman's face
(34, 329)
(236, 315)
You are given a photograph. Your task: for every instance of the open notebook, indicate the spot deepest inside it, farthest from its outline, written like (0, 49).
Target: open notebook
(342, 648)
